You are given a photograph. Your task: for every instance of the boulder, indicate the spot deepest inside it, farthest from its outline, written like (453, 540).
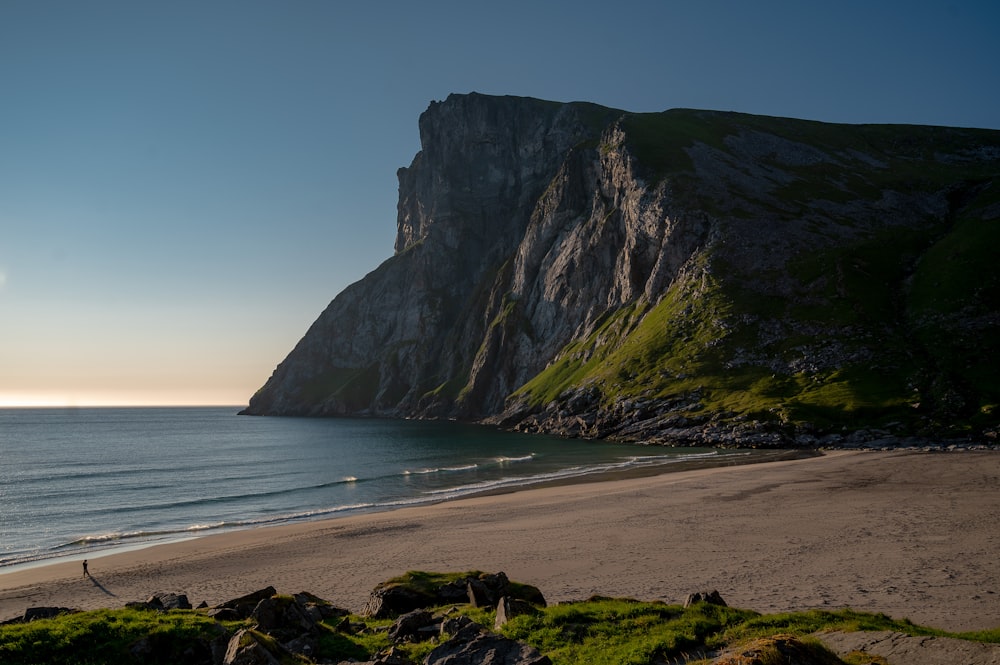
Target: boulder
(305, 597)
(242, 607)
(345, 626)
(474, 647)
(166, 600)
(482, 591)
(508, 608)
(452, 626)
(33, 613)
(414, 626)
(283, 618)
(479, 590)
(306, 645)
(391, 601)
(529, 593)
(779, 650)
(710, 597)
(390, 656)
(220, 613)
(319, 609)
(491, 587)
(487, 589)
(247, 648)
(456, 592)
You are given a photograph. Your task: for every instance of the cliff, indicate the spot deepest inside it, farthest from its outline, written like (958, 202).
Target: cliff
(684, 277)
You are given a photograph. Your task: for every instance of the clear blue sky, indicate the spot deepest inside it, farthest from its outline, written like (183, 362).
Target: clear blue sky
(185, 185)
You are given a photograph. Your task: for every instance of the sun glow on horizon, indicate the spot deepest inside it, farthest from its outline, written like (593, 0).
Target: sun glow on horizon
(143, 399)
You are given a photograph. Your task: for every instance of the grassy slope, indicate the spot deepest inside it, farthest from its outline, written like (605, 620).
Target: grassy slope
(598, 631)
(103, 636)
(897, 301)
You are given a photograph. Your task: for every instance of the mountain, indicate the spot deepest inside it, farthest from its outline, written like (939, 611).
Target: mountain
(688, 277)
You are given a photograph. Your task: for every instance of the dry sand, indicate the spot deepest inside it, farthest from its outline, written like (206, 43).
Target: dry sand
(914, 535)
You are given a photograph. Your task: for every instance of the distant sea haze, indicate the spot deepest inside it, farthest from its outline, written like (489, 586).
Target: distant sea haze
(78, 482)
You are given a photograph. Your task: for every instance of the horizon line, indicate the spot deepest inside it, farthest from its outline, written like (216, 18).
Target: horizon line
(122, 406)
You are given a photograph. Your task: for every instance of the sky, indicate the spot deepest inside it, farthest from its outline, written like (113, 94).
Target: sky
(185, 185)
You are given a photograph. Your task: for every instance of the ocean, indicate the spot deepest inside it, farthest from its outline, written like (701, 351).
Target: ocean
(80, 482)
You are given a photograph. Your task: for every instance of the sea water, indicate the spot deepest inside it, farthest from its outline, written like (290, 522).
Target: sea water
(76, 482)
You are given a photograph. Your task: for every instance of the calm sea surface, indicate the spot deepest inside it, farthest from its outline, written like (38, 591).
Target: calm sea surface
(77, 481)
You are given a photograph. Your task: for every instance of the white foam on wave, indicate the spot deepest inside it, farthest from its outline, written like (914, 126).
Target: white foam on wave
(464, 467)
(637, 461)
(204, 527)
(440, 469)
(511, 460)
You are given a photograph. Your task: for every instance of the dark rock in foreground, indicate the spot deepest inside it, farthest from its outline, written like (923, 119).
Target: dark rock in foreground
(282, 629)
(508, 608)
(480, 590)
(283, 618)
(710, 597)
(249, 648)
(390, 656)
(472, 645)
(166, 600)
(242, 607)
(779, 650)
(414, 626)
(33, 613)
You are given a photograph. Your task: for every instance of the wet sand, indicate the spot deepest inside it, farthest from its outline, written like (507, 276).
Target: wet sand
(913, 535)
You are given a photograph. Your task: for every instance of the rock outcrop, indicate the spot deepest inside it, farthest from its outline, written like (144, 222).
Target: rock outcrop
(508, 608)
(35, 613)
(168, 600)
(679, 277)
(393, 598)
(779, 649)
(711, 597)
(473, 645)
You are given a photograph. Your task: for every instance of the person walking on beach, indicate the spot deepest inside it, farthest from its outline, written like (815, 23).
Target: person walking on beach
(86, 573)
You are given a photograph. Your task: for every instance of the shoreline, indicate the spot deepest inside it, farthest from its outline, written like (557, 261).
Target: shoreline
(906, 533)
(668, 465)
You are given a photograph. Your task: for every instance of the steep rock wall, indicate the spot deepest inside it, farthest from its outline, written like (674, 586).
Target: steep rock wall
(599, 239)
(681, 277)
(392, 342)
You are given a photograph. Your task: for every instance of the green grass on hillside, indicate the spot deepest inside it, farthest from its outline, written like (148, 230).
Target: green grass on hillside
(594, 632)
(908, 315)
(104, 636)
(622, 632)
(688, 349)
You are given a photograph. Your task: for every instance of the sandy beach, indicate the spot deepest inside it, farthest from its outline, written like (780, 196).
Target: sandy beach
(912, 535)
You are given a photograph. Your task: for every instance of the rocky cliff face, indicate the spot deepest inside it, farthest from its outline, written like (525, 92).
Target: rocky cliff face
(403, 340)
(686, 277)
